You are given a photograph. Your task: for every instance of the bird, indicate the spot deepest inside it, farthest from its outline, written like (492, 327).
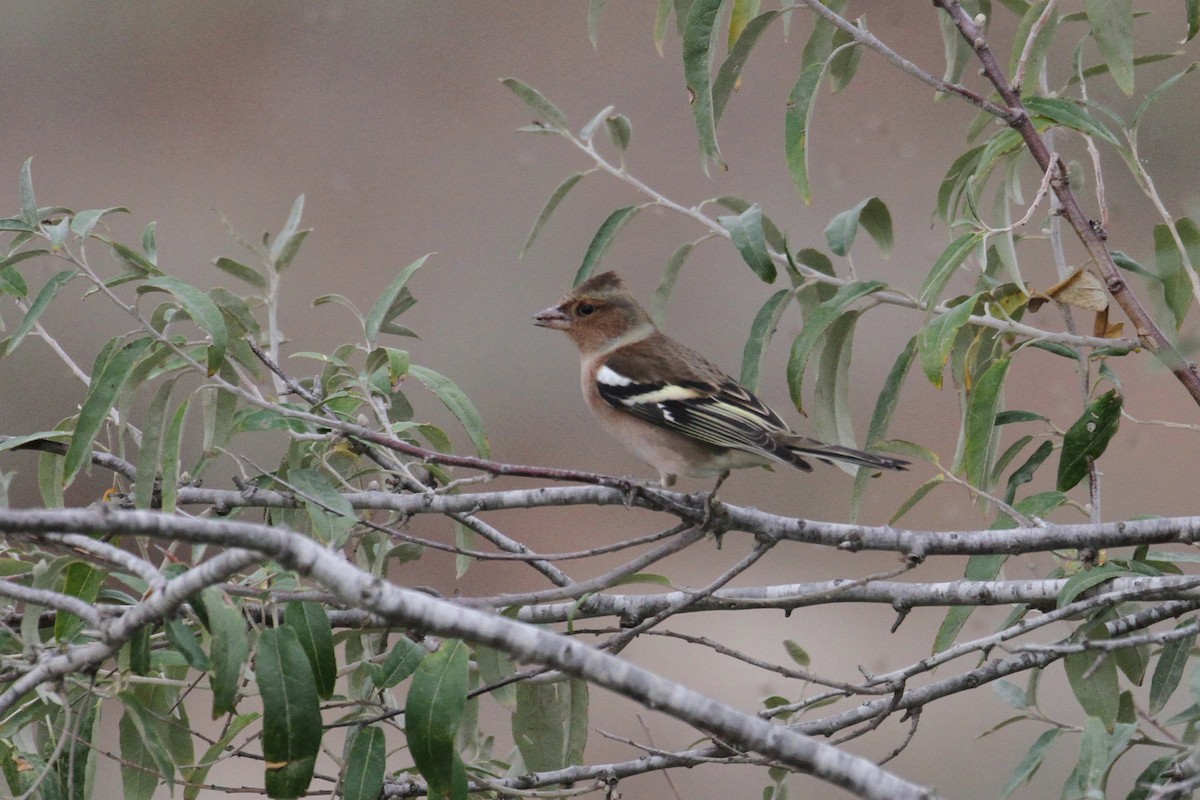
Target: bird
(673, 408)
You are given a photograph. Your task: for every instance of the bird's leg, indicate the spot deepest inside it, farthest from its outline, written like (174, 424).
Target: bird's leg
(712, 509)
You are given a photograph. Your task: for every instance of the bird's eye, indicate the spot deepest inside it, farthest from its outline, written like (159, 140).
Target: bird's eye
(585, 309)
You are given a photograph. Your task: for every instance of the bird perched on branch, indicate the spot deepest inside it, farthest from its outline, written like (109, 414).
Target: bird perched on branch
(672, 407)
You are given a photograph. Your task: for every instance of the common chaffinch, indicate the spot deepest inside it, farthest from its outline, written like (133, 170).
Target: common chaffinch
(665, 402)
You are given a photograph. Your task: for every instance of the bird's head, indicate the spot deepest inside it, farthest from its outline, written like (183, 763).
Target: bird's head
(599, 315)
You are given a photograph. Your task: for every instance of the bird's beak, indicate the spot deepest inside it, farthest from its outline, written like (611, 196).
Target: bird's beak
(552, 318)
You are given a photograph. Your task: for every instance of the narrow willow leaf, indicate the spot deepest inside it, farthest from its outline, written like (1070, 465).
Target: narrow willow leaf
(1170, 667)
(108, 379)
(667, 284)
(620, 131)
(936, 338)
(873, 214)
(539, 724)
(84, 222)
(39, 304)
(820, 43)
(203, 311)
(1064, 112)
(241, 272)
(1036, 53)
(881, 417)
(589, 131)
(284, 239)
(979, 427)
(843, 63)
(464, 539)
(150, 452)
(291, 735)
(795, 128)
(229, 651)
(432, 715)
(916, 497)
(955, 182)
(743, 12)
(138, 777)
(1024, 473)
(814, 328)
(549, 209)
(1092, 675)
(391, 303)
(943, 269)
(1088, 437)
(1193, 19)
(761, 331)
(454, 399)
(550, 115)
(577, 721)
(1080, 582)
(1030, 763)
(83, 582)
(595, 11)
(196, 777)
(29, 209)
(603, 240)
(362, 777)
(661, 18)
(746, 233)
(1162, 87)
(331, 514)
(402, 661)
(11, 280)
(698, 44)
(797, 653)
(1175, 279)
(831, 398)
(184, 642)
(739, 52)
(1112, 28)
(738, 205)
(311, 624)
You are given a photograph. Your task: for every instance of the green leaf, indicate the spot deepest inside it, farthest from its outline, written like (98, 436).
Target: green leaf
(831, 397)
(141, 753)
(108, 378)
(402, 661)
(797, 653)
(184, 641)
(620, 131)
(875, 218)
(795, 128)
(241, 272)
(955, 181)
(1093, 757)
(761, 331)
(432, 715)
(229, 651)
(556, 197)
(546, 720)
(979, 426)
(665, 286)
(1036, 54)
(595, 11)
(172, 444)
(814, 328)
(458, 403)
(1087, 438)
(197, 776)
(29, 209)
(1170, 667)
(740, 46)
(1193, 19)
(698, 40)
(1065, 112)
(1177, 288)
(746, 233)
(149, 456)
(390, 304)
(312, 628)
(203, 311)
(1093, 676)
(291, 735)
(820, 43)
(331, 514)
(950, 260)
(83, 222)
(362, 777)
(1112, 28)
(553, 118)
(843, 63)
(936, 338)
(881, 417)
(83, 582)
(39, 304)
(1080, 582)
(603, 240)
(660, 24)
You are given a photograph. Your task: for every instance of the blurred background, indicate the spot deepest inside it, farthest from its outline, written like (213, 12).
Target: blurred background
(390, 118)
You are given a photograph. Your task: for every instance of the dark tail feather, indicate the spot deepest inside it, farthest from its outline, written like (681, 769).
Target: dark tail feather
(799, 446)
